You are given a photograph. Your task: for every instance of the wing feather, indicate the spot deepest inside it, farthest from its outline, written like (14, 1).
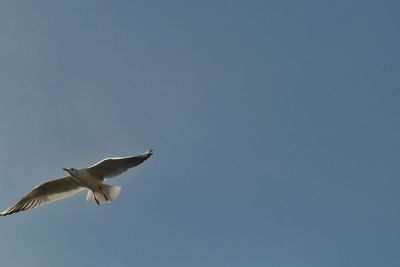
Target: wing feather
(45, 193)
(111, 167)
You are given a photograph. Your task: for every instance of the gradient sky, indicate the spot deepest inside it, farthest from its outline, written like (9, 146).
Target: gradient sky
(275, 126)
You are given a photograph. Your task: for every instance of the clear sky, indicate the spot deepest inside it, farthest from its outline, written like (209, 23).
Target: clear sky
(275, 126)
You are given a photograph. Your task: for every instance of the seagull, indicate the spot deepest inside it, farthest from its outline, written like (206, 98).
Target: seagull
(90, 178)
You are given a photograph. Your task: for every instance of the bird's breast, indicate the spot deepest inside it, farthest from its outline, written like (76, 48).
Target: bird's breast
(87, 179)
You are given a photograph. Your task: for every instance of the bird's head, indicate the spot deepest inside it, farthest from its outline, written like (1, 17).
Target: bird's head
(71, 171)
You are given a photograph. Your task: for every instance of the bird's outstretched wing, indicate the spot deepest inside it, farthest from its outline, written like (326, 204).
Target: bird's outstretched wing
(111, 167)
(47, 192)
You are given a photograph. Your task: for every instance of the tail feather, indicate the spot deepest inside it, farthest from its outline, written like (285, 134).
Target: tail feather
(110, 192)
(90, 197)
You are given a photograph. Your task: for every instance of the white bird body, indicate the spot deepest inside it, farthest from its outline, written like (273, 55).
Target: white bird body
(87, 180)
(91, 178)
(99, 192)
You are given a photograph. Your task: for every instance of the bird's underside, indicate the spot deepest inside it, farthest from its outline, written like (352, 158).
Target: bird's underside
(90, 178)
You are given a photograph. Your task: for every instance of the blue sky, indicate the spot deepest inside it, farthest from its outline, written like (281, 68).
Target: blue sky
(275, 127)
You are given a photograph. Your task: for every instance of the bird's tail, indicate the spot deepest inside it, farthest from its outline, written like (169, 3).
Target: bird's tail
(105, 194)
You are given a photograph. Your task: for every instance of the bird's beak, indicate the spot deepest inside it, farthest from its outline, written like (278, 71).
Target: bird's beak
(65, 169)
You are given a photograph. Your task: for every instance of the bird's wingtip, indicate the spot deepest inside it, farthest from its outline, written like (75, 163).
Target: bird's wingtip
(150, 151)
(4, 213)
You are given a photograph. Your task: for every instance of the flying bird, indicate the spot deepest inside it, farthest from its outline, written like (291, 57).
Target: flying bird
(90, 178)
